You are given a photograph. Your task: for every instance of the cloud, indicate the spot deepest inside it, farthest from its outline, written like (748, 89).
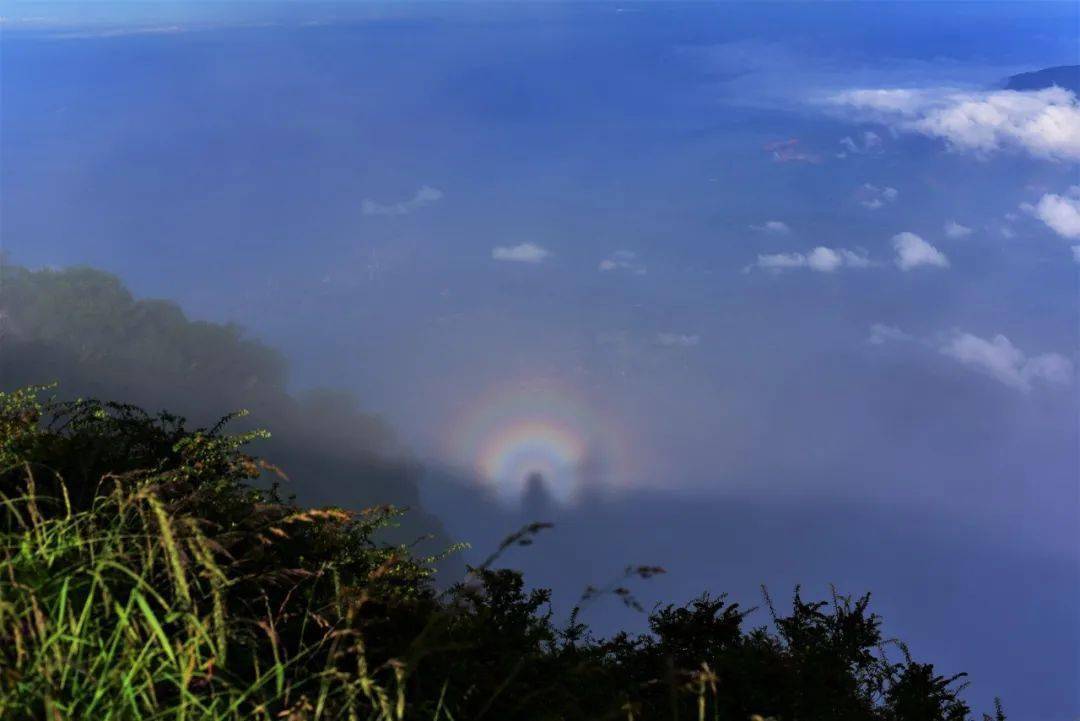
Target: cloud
(623, 260)
(996, 357)
(119, 32)
(869, 144)
(1000, 359)
(900, 101)
(1044, 123)
(955, 230)
(874, 197)
(788, 151)
(1060, 212)
(781, 261)
(881, 334)
(521, 253)
(678, 340)
(774, 227)
(425, 196)
(914, 252)
(820, 259)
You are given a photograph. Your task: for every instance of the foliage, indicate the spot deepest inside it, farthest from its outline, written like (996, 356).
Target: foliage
(143, 576)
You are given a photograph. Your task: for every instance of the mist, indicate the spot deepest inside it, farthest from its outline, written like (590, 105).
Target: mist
(728, 290)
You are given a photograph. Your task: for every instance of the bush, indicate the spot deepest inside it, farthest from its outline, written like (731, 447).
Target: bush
(144, 574)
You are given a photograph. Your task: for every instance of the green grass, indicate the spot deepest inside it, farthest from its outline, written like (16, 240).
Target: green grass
(120, 610)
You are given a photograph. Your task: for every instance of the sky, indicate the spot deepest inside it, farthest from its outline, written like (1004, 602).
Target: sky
(776, 292)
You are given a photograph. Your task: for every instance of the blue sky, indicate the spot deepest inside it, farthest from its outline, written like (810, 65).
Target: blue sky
(764, 255)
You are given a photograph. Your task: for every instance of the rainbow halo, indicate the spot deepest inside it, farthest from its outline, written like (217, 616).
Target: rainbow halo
(527, 429)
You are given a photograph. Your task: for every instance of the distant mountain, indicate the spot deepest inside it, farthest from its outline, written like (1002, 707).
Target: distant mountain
(147, 352)
(1065, 76)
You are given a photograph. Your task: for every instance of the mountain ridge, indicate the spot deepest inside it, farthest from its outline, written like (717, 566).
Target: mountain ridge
(1064, 76)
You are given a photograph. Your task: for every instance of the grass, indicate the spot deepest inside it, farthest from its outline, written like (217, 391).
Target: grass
(120, 610)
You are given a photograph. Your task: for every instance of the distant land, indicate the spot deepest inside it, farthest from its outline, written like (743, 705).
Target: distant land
(1065, 76)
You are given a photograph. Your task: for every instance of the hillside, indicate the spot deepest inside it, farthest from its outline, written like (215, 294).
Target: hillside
(83, 329)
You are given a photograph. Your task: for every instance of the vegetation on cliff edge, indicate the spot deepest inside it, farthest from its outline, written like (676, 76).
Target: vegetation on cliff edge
(144, 575)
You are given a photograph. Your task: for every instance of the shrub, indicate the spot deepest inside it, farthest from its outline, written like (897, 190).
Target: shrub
(145, 574)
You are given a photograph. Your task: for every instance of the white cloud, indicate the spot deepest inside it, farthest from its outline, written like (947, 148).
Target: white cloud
(823, 259)
(112, 32)
(900, 101)
(914, 252)
(911, 252)
(881, 333)
(623, 260)
(820, 259)
(521, 253)
(1060, 212)
(781, 261)
(1045, 123)
(999, 358)
(774, 227)
(426, 195)
(869, 144)
(996, 357)
(827, 260)
(678, 340)
(956, 230)
(874, 197)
